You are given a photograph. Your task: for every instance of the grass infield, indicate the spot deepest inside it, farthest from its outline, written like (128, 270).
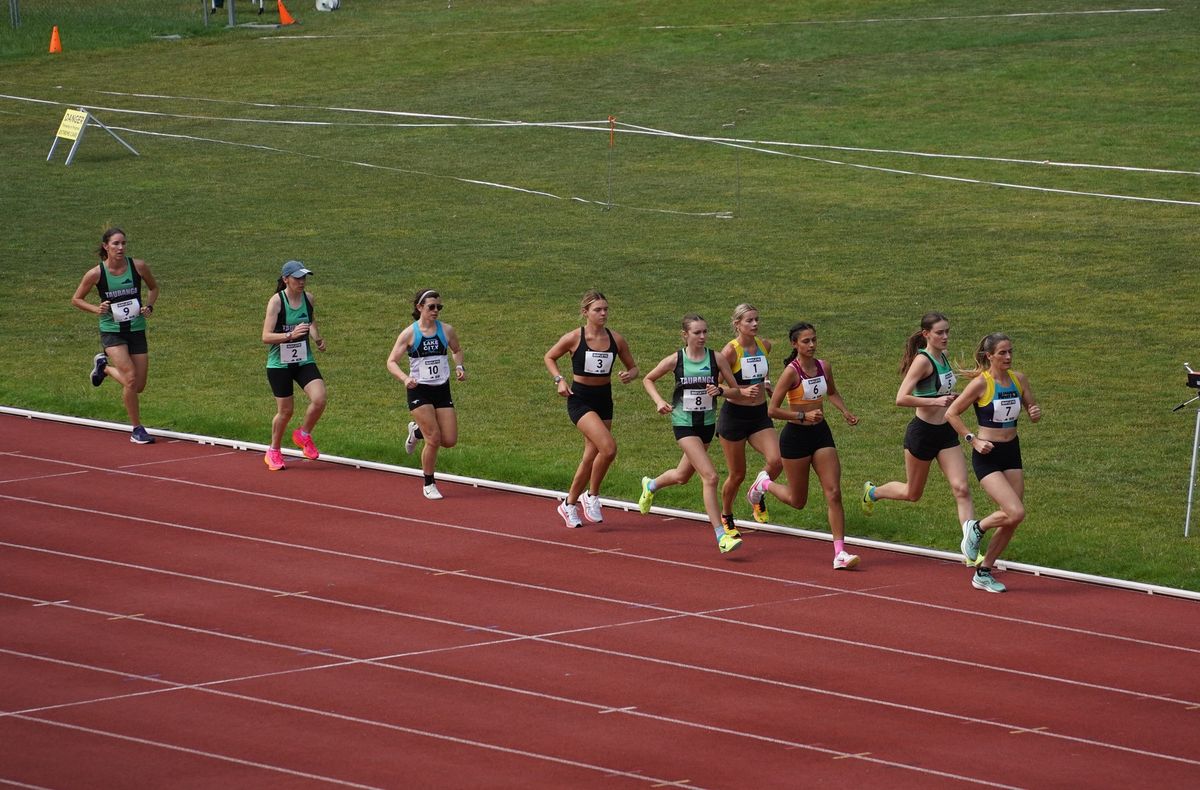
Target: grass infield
(823, 213)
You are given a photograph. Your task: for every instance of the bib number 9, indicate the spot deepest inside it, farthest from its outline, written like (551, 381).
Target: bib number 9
(126, 310)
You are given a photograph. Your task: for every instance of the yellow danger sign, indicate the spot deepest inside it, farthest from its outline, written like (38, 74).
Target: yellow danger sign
(72, 124)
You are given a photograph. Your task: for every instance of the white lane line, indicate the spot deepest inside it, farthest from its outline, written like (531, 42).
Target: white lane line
(675, 664)
(41, 477)
(746, 24)
(196, 752)
(560, 544)
(165, 461)
(633, 712)
(549, 638)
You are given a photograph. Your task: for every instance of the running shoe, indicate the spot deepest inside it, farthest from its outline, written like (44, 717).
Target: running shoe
(983, 580)
(730, 528)
(868, 504)
(274, 459)
(99, 363)
(591, 507)
(431, 491)
(646, 500)
(305, 443)
(570, 514)
(760, 510)
(844, 561)
(754, 493)
(727, 543)
(140, 436)
(410, 443)
(970, 542)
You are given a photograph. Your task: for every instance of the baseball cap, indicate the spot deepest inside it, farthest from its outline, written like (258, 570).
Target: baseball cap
(295, 269)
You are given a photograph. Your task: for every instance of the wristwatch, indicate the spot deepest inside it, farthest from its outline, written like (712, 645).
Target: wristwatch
(557, 379)
(970, 437)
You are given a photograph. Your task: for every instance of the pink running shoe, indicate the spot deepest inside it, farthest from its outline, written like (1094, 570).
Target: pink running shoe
(274, 459)
(305, 443)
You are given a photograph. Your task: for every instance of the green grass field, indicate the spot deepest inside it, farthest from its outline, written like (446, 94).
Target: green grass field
(246, 162)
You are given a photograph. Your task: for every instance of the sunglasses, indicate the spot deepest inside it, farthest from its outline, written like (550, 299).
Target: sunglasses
(438, 307)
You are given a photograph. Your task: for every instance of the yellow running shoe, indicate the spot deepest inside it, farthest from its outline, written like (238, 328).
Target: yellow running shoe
(730, 529)
(760, 510)
(647, 498)
(868, 504)
(728, 543)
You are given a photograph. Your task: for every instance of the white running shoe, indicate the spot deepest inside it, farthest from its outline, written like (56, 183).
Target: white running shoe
(591, 508)
(754, 493)
(411, 442)
(430, 491)
(844, 561)
(570, 515)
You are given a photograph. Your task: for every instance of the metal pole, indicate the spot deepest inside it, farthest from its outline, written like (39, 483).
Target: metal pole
(14, 13)
(1187, 522)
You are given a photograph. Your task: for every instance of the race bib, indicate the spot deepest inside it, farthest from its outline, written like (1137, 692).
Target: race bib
(598, 363)
(754, 367)
(815, 389)
(291, 353)
(697, 400)
(126, 310)
(1006, 409)
(946, 383)
(431, 370)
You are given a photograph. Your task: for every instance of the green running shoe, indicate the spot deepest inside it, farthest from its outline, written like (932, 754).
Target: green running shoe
(868, 504)
(647, 497)
(970, 542)
(983, 580)
(728, 543)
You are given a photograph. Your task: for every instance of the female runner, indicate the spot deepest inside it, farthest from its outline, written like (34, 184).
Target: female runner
(428, 343)
(998, 393)
(928, 386)
(744, 416)
(290, 331)
(806, 440)
(697, 370)
(123, 311)
(593, 348)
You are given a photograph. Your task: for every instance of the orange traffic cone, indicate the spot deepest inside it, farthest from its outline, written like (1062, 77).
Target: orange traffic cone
(55, 41)
(284, 17)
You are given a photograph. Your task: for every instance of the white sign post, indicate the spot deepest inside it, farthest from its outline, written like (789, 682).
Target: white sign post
(74, 124)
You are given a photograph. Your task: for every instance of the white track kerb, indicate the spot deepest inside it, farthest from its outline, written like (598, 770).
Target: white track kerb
(1036, 570)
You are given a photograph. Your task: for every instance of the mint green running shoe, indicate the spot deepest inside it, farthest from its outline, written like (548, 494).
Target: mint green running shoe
(970, 542)
(868, 504)
(983, 580)
(647, 497)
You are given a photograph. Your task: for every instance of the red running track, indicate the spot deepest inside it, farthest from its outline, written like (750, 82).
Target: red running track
(175, 615)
